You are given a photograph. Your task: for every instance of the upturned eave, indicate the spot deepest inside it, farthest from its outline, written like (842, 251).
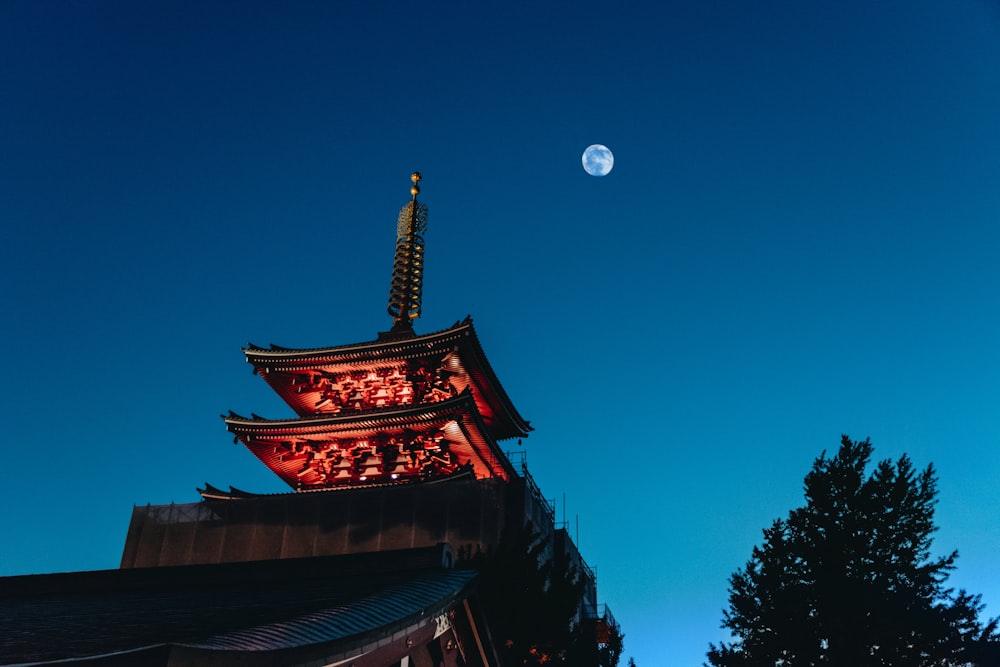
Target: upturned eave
(274, 441)
(279, 366)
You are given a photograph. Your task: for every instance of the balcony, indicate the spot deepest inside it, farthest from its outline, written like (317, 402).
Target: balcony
(604, 622)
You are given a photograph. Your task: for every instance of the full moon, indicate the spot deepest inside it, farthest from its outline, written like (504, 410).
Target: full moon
(598, 160)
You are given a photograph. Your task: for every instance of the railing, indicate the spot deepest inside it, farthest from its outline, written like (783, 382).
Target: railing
(549, 507)
(605, 624)
(177, 514)
(587, 571)
(536, 493)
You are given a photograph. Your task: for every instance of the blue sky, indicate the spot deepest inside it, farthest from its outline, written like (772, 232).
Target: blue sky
(798, 240)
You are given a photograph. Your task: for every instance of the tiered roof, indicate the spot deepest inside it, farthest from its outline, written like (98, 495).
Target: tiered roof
(399, 444)
(384, 373)
(400, 408)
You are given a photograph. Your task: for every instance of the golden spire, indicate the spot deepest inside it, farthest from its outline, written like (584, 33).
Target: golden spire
(408, 266)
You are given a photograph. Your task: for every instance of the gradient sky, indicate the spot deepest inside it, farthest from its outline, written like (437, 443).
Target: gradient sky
(799, 239)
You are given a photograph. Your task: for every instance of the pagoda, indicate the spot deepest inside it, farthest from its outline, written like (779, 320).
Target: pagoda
(400, 496)
(397, 410)
(394, 443)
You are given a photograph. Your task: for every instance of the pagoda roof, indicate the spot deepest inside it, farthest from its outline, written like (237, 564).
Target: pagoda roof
(276, 441)
(212, 492)
(283, 367)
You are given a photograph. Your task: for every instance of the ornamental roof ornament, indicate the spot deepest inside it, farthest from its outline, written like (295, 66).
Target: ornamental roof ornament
(408, 264)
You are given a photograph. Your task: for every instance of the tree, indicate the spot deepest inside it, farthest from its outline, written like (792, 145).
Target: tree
(848, 579)
(531, 602)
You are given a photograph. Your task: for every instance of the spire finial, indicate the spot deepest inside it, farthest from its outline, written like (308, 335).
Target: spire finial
(408, 266)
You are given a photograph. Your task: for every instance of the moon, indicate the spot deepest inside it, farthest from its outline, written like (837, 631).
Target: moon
(598, 160)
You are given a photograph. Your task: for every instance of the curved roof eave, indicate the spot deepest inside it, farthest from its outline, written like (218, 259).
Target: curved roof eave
(373, 350)
(462, 410)
(416, 601)
(521, 425)
(461, 334)
(363, 420)
(211, 492)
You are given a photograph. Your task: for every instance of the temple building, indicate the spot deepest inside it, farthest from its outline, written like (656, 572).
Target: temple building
(404, 538)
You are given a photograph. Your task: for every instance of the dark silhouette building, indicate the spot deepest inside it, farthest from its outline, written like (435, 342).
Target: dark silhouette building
(400, 490)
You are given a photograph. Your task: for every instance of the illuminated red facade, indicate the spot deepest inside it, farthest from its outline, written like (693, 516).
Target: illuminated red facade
(391, 411)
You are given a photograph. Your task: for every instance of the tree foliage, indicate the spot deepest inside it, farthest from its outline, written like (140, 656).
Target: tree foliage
(849, 578)
(532, 602)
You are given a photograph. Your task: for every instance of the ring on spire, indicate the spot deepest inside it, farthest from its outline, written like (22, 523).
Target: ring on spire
(408, 266)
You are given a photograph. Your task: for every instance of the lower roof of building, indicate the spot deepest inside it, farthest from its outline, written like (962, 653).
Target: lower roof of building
(329, 604)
